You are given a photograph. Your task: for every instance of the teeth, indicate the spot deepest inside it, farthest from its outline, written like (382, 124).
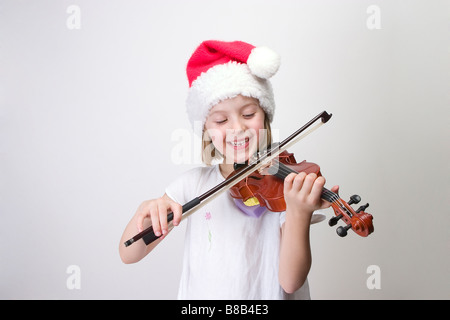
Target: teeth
(240, 143)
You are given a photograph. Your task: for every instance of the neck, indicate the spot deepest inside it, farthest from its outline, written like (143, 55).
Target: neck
(226, 169)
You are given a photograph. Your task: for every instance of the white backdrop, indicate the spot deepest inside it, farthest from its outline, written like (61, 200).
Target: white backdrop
(92, 91)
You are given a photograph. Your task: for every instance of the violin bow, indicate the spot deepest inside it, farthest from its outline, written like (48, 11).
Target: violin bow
(258, 161)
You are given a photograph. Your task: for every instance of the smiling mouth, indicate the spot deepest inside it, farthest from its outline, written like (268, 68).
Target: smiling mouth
(241, 144)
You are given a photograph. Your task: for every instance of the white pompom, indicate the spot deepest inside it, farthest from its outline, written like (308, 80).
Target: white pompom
(263, 62)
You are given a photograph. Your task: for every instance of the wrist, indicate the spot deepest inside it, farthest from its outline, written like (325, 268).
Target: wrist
(299, 215)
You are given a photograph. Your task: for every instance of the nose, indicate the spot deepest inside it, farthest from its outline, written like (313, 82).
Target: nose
(237, 125)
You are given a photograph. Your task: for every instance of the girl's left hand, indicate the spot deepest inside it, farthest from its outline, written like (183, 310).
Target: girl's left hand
(304, 191)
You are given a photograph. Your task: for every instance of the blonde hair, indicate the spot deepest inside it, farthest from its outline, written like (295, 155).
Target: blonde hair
(210, 155)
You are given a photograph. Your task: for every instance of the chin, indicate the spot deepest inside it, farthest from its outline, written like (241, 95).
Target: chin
(241, 151)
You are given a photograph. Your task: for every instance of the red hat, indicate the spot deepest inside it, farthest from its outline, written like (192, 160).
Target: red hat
(220, 70)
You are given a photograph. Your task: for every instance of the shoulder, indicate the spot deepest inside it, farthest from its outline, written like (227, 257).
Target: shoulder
(190, 183)
(198, 173)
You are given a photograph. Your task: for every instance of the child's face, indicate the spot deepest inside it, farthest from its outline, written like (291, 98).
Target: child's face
(234, 126)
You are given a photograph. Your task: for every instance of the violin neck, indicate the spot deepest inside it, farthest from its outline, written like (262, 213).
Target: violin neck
(280, 170)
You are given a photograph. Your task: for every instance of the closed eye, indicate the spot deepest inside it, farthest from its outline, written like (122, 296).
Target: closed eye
(248, 116)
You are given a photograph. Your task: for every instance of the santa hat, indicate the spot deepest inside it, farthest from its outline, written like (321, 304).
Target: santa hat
(219, 70)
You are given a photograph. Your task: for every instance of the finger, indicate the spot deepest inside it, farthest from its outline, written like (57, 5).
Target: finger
(288, 182)
(335, 189)
(177, 213)
(307, 184)
(154, 214)
(317, 187)
(162, 211)
(140, 222)
(299, 181)
(141, 215)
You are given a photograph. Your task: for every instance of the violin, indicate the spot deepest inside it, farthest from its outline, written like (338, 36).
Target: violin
(266, 187)
(275, 163)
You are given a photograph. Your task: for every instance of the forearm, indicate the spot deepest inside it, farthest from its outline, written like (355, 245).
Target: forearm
(137, 250)
(150, 212)
(295, 251)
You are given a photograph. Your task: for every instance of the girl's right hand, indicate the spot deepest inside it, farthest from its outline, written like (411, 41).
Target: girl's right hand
(157, 210)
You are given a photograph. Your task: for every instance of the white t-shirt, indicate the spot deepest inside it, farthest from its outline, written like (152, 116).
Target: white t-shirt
(228, 254)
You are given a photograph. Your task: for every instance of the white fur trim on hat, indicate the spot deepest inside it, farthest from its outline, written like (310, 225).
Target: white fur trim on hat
(226, 81)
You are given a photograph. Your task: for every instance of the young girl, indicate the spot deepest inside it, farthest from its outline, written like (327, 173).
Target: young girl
(229, 254)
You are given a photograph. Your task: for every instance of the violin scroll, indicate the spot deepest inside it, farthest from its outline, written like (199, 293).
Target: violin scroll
(359, 221)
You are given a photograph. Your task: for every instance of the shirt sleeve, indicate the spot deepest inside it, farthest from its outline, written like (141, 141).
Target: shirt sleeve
(175, 191)
(182, 189)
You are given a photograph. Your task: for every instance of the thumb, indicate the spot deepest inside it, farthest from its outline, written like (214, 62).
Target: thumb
(335, 189)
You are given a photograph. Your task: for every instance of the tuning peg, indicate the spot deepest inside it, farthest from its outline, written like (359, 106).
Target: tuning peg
(362, 208)
(342, 231)
(334, 220)
(354, 199)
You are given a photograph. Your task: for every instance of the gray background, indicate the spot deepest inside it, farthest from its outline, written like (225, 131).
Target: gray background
(89, 117)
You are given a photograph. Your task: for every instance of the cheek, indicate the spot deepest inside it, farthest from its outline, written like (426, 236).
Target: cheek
(217, 137)
(257, 126)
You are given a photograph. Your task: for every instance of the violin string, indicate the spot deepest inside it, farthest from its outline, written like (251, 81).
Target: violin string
(285, 171)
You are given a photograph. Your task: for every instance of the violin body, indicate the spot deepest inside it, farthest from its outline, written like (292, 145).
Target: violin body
(267, 186)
